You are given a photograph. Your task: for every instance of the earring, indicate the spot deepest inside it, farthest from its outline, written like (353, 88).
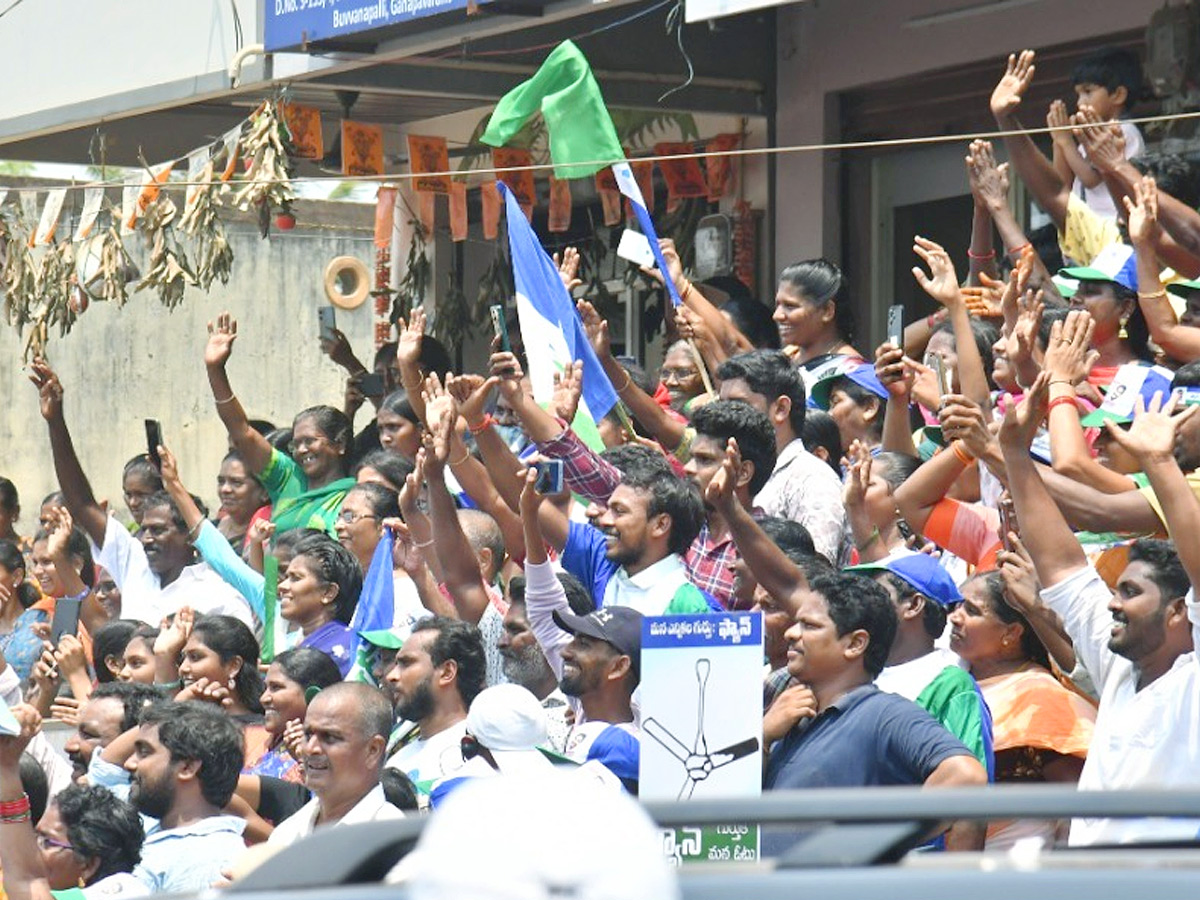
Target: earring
(1122, 334)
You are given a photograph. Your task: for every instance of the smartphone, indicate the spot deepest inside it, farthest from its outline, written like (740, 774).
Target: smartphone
(1008, 522)
(153, 441)
(895, 325)
(328, 319)
(635, 247)
(372, 384)
(66, 618)
(549, 476)
(943, 374)
(500, 327)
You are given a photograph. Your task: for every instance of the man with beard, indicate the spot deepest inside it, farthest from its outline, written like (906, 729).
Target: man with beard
(1137, 644)
(156, 571)
(345, 735)
(111, 710)
(525, 663)
(437, 673)
(184, 769)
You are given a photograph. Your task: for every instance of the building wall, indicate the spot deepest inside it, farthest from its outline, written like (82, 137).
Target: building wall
(63, 52)
(120, 366)
(829, 46)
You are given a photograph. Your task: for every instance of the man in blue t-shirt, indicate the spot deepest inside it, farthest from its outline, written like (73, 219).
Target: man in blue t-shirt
(836, 729)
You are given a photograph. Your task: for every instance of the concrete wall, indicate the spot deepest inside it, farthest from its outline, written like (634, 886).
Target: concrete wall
(829, 46)
(119, 366)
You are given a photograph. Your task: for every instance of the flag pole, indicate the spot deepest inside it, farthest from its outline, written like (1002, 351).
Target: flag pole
(704, 376)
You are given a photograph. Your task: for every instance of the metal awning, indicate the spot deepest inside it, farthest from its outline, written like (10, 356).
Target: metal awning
(408, 73)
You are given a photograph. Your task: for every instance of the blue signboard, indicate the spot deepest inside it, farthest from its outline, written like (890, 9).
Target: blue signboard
(292, 23)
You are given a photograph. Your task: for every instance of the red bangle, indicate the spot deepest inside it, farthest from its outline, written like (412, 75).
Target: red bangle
(1018, 250)
(1059, 401)
(963, 456)
(488, 421)
(15, 807)
(991, 254)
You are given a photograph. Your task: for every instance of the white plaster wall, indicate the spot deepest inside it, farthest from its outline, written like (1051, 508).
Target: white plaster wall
(828, 46)
(119, 366)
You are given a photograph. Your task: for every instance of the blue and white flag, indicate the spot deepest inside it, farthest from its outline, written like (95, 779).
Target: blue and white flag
(629, 187)
(550, 326)
(377, 601)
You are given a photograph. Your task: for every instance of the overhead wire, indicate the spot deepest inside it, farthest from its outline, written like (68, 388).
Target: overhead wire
(879, 143)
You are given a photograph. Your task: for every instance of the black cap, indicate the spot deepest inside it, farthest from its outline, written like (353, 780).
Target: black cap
(620, 626)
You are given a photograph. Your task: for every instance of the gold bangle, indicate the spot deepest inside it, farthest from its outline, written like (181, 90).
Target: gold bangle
(455, 463)
(1156, 295)
(228, 399)
(628, 381)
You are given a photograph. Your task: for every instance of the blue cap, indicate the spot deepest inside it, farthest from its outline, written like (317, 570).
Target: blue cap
(920, 571)
(863, 375)
(1116, 263)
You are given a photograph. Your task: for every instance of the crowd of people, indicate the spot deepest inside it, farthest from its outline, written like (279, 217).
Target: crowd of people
(959, 542)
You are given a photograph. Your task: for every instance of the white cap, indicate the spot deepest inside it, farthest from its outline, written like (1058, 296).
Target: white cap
(610, 850)
(510, 722)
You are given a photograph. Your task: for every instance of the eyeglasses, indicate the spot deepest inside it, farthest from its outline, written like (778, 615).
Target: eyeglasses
(45, 842)
(349, 516)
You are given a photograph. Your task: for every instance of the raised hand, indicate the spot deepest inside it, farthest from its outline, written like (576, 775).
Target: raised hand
(941, 284)
(691, 327)
(70, 656)
(206, 691)
(721, 488)
(1006, 96)
(12, 746)
(1029, 320)
(595, 327)
(1103, 141)
(963, 420)
(66, 710)
(293, 739)
(411, 492)
(858, 474)
(1151, 437)
(260, 531)
(172, 638)
(50, 391)
(170, 468)
(221, 336)
(1069, 356)
(441, 412)
(1142, 210)
(984, 300)
(890, 370)
(568, 388)
(1021, 420)
(568, 268)
(59, 525)
(339, 350)
(408, 345)
(1021, 588)
(1057, 117)
(988, 181)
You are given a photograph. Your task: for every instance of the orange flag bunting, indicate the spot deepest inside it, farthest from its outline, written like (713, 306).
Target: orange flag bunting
(362, 149)
(610, 196)
(720, 168)
(304, 122)
(427, 155)
(489, 196)
(520, 183)
(427, 212)
(458, 210)
(560, 205)
(683, 176)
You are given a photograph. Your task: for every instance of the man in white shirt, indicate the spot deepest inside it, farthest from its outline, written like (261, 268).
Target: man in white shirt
(802, 487)
(156, 571)
(345, 737)
(438, 671)
(1136, 644)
